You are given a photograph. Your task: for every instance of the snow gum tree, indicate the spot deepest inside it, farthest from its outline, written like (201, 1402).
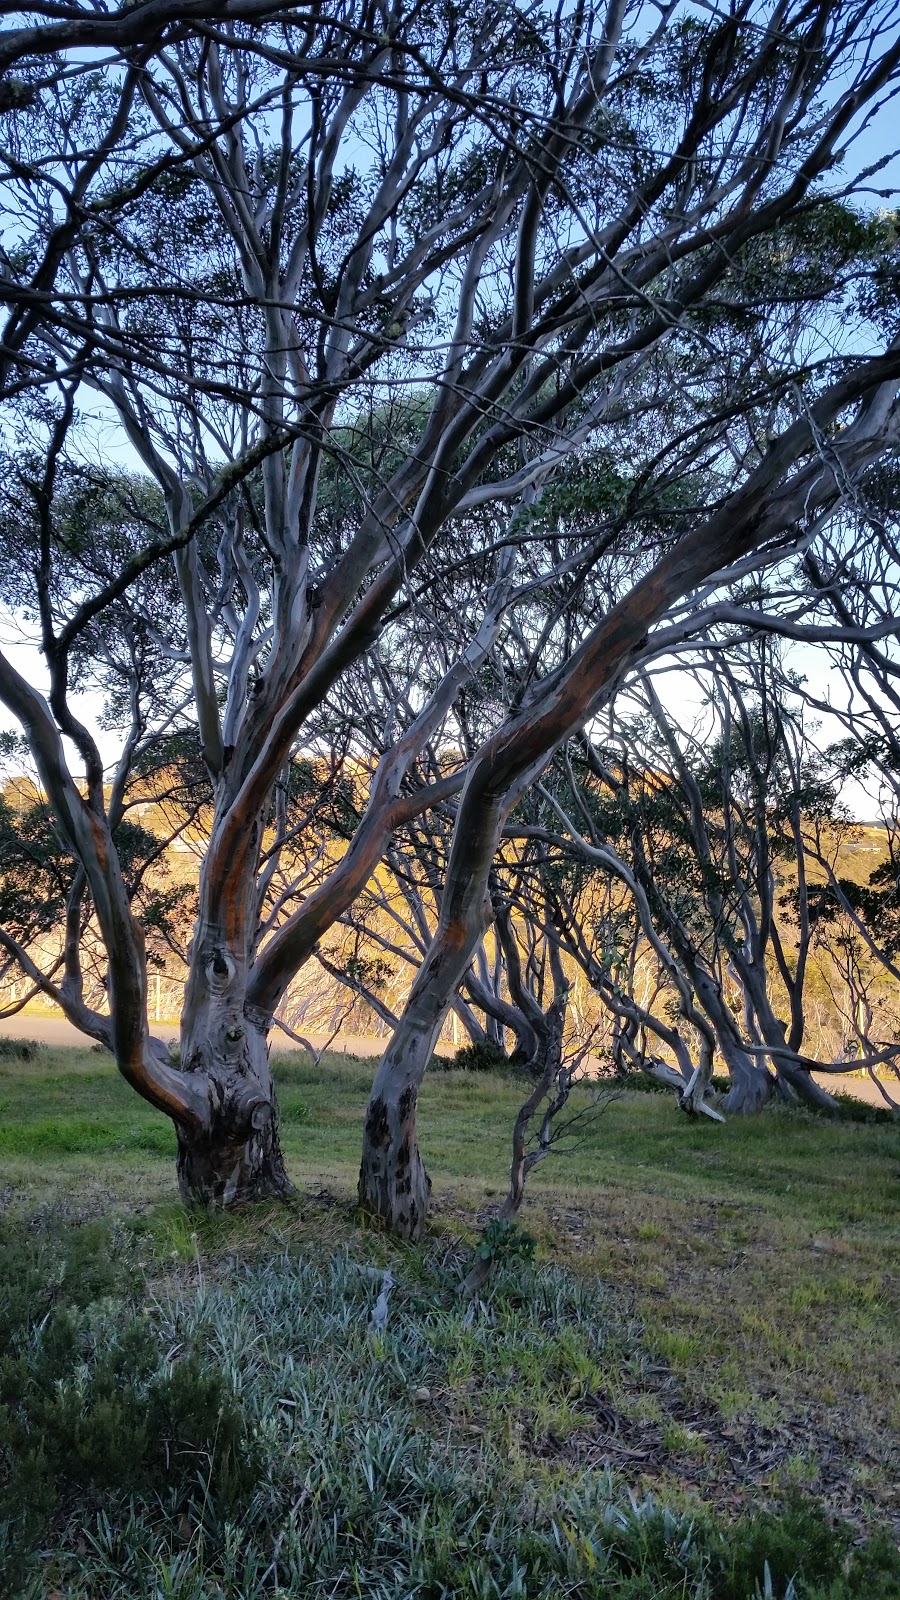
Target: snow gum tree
(349, 289)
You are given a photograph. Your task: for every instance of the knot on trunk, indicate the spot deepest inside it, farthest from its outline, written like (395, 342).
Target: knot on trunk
(220, 970)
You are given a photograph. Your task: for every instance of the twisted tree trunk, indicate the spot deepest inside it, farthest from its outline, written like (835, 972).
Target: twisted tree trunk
(237, 1154)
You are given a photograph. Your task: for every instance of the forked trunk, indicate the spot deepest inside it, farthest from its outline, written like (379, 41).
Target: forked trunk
(794, 1079)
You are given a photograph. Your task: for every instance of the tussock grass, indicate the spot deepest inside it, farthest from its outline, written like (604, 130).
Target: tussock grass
(749, 1349)
(237, 1430)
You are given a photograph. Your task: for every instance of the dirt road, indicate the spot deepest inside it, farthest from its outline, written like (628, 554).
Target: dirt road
(47, 1029)
(55, 1030)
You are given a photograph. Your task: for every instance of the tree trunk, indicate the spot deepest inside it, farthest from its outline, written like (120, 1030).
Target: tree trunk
(751, 1086)
(237, 1156)
(800, 1079)
(228, 1164)
(790, 1070)
(393, 1184)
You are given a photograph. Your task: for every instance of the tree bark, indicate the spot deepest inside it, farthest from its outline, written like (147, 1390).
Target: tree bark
(393, 1184)
(229, 1163)
(751, 1086)
(237, 1154)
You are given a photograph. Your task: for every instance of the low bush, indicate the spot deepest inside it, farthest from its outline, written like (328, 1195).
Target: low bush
(639, 1083)
(482, 1057)
(853, 1110)
(92, 1403)
(644, 1084)
(19, 1049)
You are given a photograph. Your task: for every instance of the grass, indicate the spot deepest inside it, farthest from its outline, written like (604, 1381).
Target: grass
(745, 1352)
(234, 1430)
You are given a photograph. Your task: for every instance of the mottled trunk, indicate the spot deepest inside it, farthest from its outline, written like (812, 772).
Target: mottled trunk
(237, 1156)
(393, 1184)
(233, 1160)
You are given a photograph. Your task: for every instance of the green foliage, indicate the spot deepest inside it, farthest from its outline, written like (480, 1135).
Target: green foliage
(482, 1057)
(35, 870)
(854, 1110)
(504, 1240)
(19, 1050)
(876, 902)
(92, 1404)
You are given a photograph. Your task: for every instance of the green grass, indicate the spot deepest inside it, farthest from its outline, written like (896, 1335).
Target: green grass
(237, 1430)
(752, 1268)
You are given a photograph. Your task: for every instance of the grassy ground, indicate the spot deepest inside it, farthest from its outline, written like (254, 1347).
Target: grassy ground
(753, 1269)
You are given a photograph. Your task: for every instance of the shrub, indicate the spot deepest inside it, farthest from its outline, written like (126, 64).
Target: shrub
(504, 1240)
(19, 1049)
(91, 1404)
(853, 1110)
(482, 1057)
(644, 1084)
(639, 1082)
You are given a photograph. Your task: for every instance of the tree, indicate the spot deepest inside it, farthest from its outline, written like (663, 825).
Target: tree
(714, 825)
(392, 1179)
(356, 289)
